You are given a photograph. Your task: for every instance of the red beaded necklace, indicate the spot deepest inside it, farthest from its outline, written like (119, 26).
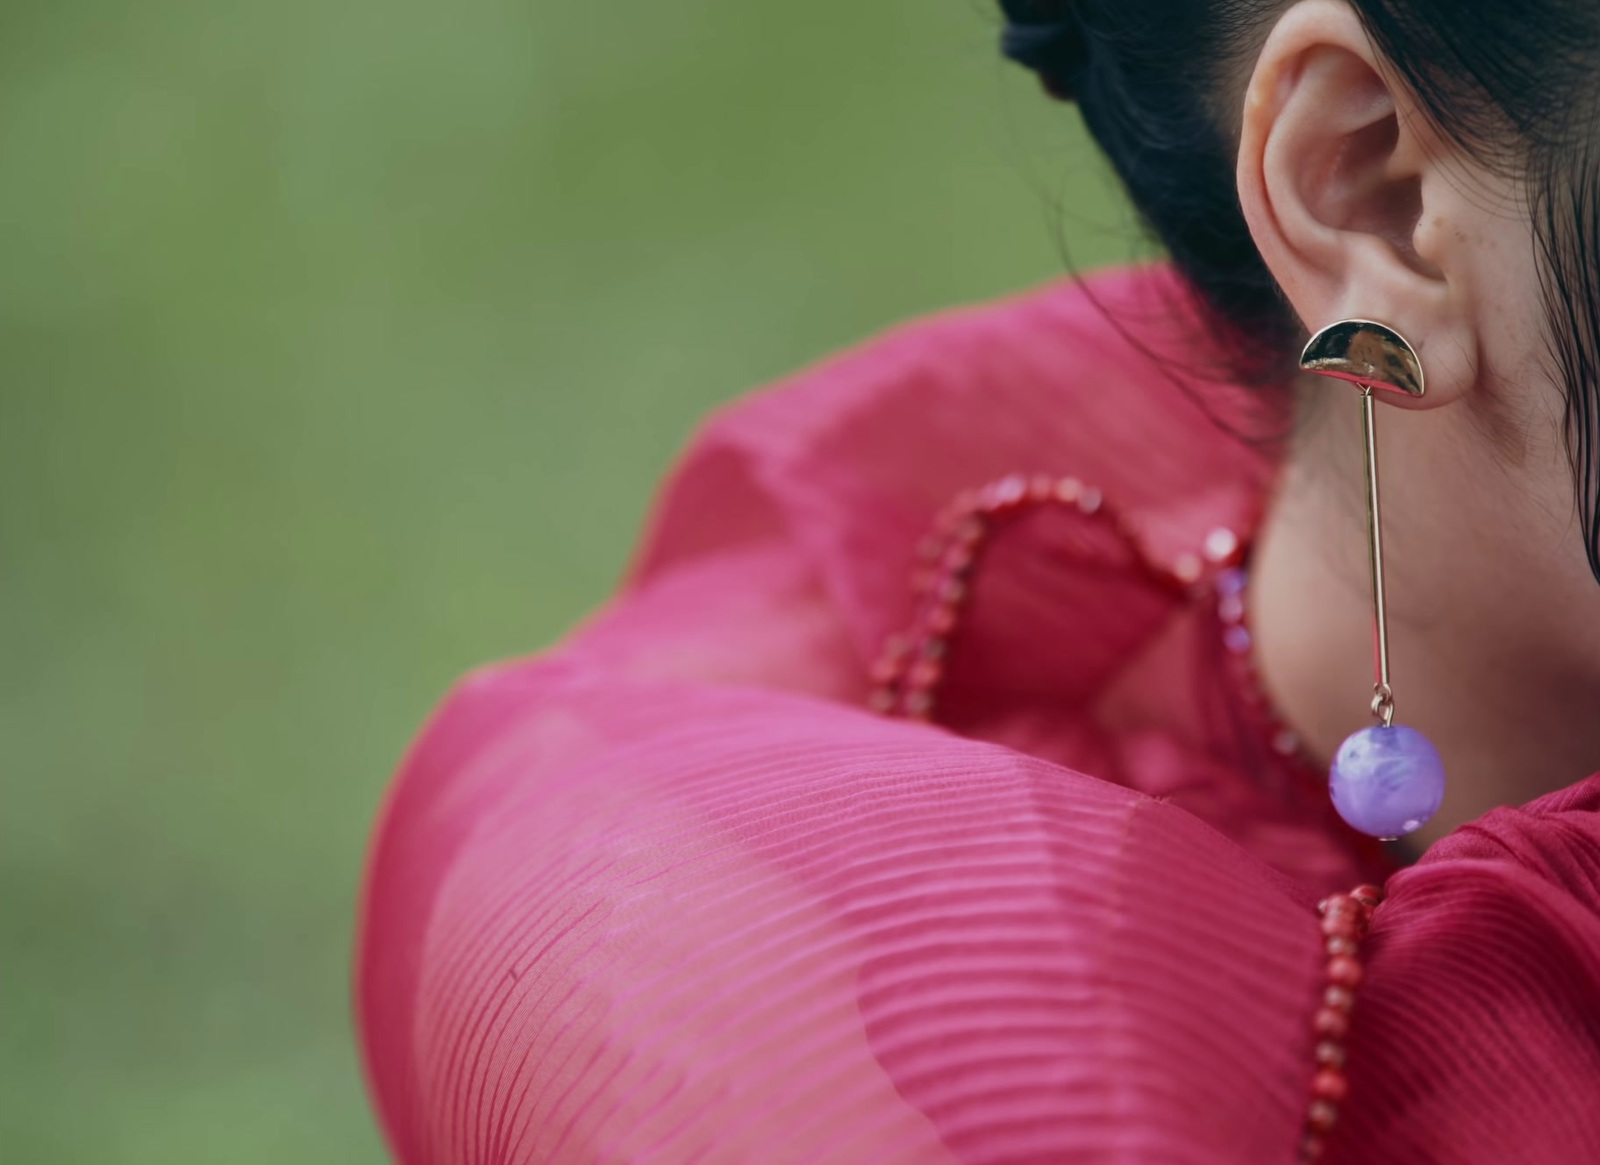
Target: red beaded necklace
(907, 674)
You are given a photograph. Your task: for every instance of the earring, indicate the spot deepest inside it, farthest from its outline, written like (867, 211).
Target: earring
(1386, 780)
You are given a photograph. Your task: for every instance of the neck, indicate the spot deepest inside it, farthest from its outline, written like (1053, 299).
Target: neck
(1494, 632)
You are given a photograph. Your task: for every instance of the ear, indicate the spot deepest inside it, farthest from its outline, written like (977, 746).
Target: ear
(1346, 193)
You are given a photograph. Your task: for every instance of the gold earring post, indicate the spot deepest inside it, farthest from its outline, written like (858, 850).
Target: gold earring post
(1383, 694)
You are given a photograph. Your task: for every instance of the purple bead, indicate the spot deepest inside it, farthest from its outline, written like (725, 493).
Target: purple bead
(1231, 581)
(1387, 781)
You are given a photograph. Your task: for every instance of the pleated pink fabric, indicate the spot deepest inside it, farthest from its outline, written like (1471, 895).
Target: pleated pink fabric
(669, 894)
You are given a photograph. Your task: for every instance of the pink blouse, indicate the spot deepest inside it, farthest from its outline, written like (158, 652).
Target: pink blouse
(670, 893)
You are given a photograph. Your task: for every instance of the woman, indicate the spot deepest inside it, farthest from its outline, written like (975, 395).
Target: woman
(1045, 885)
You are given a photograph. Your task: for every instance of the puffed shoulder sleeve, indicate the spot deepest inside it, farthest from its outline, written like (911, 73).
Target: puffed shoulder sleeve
(645, 920)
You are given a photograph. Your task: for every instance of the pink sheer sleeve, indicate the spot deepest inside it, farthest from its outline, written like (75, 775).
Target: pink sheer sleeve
(667, 922)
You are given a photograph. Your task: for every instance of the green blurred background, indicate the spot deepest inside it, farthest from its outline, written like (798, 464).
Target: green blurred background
(342, 343)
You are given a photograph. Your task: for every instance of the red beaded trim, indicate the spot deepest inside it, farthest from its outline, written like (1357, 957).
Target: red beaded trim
(907, 674)
(906, 677)
(1345, 919)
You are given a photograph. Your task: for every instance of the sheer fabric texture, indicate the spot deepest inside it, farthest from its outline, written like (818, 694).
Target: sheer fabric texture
(668, 893)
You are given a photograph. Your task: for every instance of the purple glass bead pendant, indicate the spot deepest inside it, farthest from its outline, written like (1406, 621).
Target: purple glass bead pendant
(1387, 780)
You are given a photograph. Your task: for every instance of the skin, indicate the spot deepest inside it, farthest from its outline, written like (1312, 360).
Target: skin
(1361, 209)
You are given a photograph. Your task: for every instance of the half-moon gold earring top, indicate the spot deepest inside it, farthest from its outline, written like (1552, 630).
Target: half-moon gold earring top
(1366, 353)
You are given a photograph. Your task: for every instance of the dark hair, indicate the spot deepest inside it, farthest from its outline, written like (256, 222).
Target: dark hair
(1513, 84)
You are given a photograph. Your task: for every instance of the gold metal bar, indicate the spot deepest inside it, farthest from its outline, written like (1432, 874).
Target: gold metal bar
(1383, 694)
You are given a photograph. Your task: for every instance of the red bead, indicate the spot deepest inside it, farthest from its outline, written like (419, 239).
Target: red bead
(1340, 904)
(1368, 895)
(1321, 1116)
(881, 701)
(1068, 490)
(919, 705)
(1339, 998)
(957, 559)
(1005, 494)
(970, 531)
(942, 621)
(933, 647)
(1222, 545)
(953, 591)
(1340, 945)
(1333, 1024)
(925, 673)
(1330, 1085)
(1340, 924)
(1311, 1149)
(1041, 488)
(1345, 972)
(886, 670)
(1330, 1054)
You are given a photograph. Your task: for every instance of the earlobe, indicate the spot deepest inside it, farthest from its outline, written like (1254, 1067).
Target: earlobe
(1332, 179)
